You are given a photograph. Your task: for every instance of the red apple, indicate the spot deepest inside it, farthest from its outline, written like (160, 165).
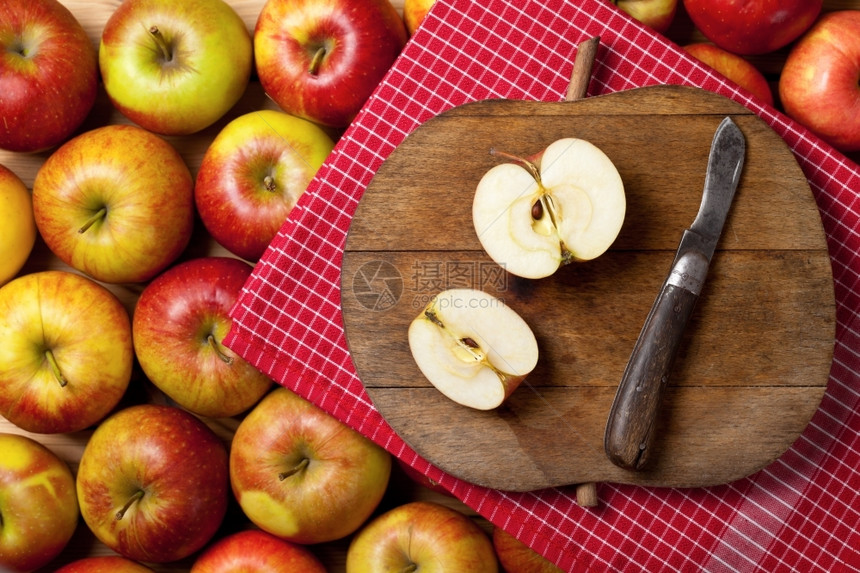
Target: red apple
(116, 202)
(656, 14)
(301, 474)
(734, 67)
(750, 27)
(16, 220)
(414, 12)
(820, 82)
(421, 536)
(48, 74)
(104, 564)
(323, 60)
(422, 479)
(253, 173)
(517, 557)
(38, 505)
(66, 357)
(180, 321)
(255, 551)
(153, 483)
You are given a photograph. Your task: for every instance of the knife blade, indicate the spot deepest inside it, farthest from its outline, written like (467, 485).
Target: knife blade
(630, 427)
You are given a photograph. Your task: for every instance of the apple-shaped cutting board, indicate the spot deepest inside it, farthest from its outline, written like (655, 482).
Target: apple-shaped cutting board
(756, 356)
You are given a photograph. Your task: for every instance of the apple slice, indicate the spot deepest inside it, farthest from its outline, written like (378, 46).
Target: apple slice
(472, 347)
(534, 216)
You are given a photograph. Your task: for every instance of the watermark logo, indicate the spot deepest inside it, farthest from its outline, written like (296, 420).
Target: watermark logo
(377, 285)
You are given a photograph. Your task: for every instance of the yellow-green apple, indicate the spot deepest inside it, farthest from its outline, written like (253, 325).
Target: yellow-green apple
(414, 12)
(67, 356)
(303, 475)
(533, 215)
(255, 551)
(16, 220)
(472, 347)
(104, 564)
(179, 324)
(517, 557)
(734, 67)
(253, 173)
(38, 504)
(323, 60)
(657, 14)
(48, 74)
(116, 202)
(421, 536)
(153, 483)
(820, 82)
(752, 27)
(175, 67)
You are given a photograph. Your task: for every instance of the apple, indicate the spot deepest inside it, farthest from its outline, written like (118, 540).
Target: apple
(517, 557)
(67, 356)
(16, 220)
(419, 478)
(322, 60)
(104, 564)
(48, 74)
(301, 474)
(734, 67)
(116, 202)
(472, 347)
(175, 67)
(533, 215)
(657, 14)
(38, 504)
(153, 483)
(820, 82)
(421, 536)
(751, 27)
(253, 173)
(414, 12)
(179, 324)
(255, 551)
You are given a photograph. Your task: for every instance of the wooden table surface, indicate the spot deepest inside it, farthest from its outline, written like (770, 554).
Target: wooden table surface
(92, 14)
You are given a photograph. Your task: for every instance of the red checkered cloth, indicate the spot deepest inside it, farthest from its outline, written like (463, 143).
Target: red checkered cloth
(798, 514)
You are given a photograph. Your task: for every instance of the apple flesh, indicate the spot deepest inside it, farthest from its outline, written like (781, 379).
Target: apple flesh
(656, 14)
(104, 564)
(472, 347)
(38, 504)
(820, 82)
(16, 220)
(48, 74)
(734, 67)
(255, 551)
(517, 557)
(532, 216)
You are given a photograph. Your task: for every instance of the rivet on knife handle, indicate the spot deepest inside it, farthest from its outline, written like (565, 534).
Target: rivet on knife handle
(632, 419)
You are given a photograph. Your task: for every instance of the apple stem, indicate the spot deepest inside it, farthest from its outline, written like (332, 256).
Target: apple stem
(100, 214)
(55, 368)
(316, 61)
(299, 467)
(161, 43)
(217, 348)
(529, 166)
(269, 183)
(411, 568)
(137, 496)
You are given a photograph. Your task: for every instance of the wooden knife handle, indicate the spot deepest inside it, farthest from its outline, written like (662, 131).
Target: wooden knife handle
(632, 418)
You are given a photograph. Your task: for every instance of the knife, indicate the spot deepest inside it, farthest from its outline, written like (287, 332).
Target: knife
(632, 417)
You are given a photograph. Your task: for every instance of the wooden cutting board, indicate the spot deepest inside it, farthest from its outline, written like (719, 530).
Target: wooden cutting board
(756, 356)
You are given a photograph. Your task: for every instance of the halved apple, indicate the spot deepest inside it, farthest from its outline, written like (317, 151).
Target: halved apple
(533, 216)
(472, 347)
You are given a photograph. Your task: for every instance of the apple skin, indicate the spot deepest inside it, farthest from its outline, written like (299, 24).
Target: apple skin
(656, 14)
(208, 70)
(252, 175)
(16, 220)
(747, 27)
(180, 321)
(517, 557)
(143, 184)
(255, 551)
(414, 12)
(104, 564)
(88, 333)
(361, 39)
(153, 483)
(431, 536)
(734, 67)
(48, 74)
(38, 504)
(337, 476)
(820, 82)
